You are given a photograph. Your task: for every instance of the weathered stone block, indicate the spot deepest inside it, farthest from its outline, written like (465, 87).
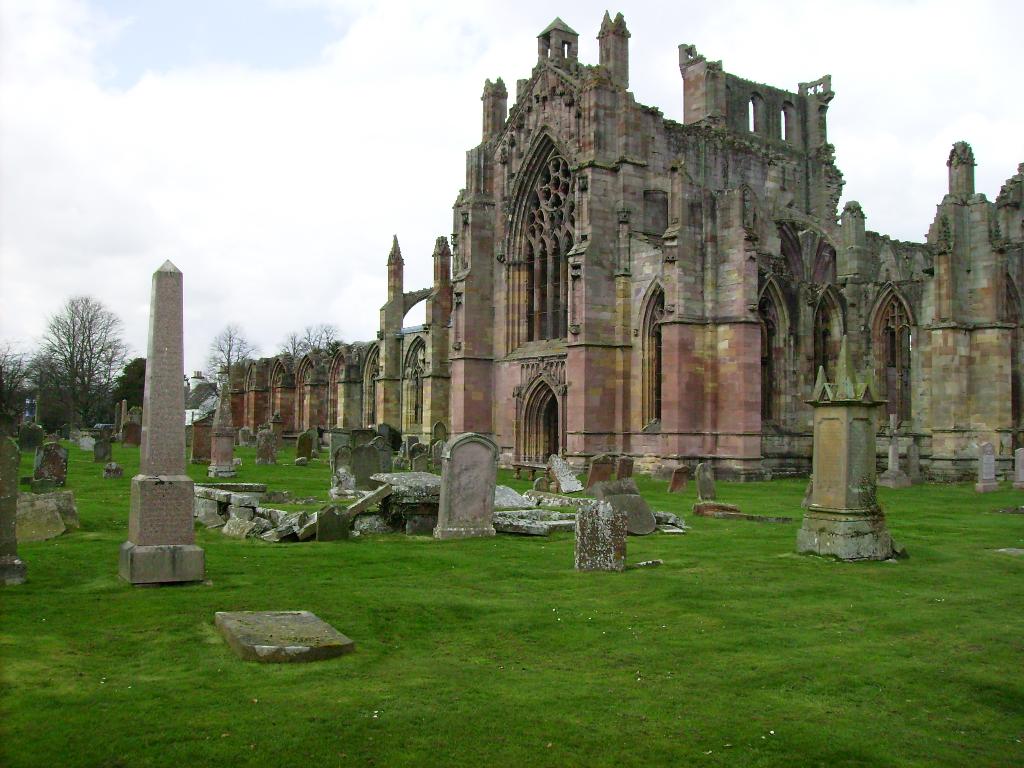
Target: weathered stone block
(162, 564)
(281, 636)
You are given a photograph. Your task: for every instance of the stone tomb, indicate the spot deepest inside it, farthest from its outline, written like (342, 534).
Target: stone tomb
(1018, 469)
(602, 468)
(12, 569)
(561, 475)
(986, 469)
(51, 463)
(278, 637)
(468, 478)
(600, 538)
(161, 540)
(843, 518)
(680, 480)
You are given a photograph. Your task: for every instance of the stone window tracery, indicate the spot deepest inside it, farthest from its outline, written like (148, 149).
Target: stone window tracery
(893, 342)
(652, 358)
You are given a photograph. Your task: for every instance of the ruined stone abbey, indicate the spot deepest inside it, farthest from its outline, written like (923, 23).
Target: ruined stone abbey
(617, 282)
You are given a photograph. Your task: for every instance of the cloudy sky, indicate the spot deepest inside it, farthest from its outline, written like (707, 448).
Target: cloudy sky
(271, 148)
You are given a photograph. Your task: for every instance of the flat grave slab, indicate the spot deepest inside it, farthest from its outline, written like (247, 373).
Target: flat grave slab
(281, 637)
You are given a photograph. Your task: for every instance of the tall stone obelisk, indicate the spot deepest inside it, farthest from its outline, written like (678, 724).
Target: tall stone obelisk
(12, 569)
(160, 547)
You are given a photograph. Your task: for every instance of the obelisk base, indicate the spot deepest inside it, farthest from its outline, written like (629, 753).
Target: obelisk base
(845, 537)
(12, 570)
(162, 563)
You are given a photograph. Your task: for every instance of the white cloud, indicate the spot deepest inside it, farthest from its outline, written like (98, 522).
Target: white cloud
(277, 191)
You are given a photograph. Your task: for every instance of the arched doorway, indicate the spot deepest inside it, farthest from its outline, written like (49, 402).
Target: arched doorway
(540, 431)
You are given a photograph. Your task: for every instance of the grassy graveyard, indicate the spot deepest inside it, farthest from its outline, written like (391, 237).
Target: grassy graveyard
(735, 652)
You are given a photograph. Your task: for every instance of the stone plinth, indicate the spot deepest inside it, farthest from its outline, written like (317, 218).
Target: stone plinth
(469, 472)
(12, 569)
(281, 636)
(843, 518)
(160, 547)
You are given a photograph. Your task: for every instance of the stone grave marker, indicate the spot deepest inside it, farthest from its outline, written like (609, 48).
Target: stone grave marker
(342, 457)
(624, 467)
(245, 436)
(705, 477)
(894, 477)
(362, 436)
(51, 463)
(266, 446)
(101, 451)
(202, 440)
(436, 452)
(86, 442)
(420, 463)
(380, 442)
(161, 539)
(600, 538)
(439, 432)
(602, 467)
(914, 462)
(624, 496)
(222, 447)
(113, 471)
(279, 637)
(304, 445)
(12, 568)
(365, 462)
(131, 434)
(1018, 469)
(986, 469)
(680, 479)
(30, 437)
(468, 478)
(392, 436)
(562, 476)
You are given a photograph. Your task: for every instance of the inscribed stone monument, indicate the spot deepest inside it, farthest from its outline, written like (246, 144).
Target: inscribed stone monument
(101, 453)
(843, 518)
(202, 440)
(602, 467)
(12, 569)
(304, 444)
(161, 540)
(561, 475)
(222, 448)
(266, 446)
(680, 479)
(30, 437)
(894, 477)
(600, 538)
(986, 469)
(624, 467)
(705, 477)
(469, 470)
(365, 462)
(51, 463)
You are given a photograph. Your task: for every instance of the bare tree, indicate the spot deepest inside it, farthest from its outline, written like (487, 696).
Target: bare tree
(322, 337)
(228, 347)
(14, 385)
(81, 353)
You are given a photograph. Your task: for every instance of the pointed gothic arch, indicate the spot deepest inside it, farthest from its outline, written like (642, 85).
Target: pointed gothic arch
(371, 370)
(282, 392)
(771, 313)
(540, 430)
(542, 232)
(892, 335)
(651, 354)
(1013, 315)
(829, 327)
(413, 370)
(335, 374)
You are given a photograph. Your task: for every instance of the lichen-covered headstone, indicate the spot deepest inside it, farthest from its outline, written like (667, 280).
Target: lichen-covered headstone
(12, 569)
(914, 462)
(705, 477)
(468, 478)
(383, 447)
(624, 496)
(986, 469)
(161, 539)
(113, 471)
(624, 467)
(365, 462)
(341, 457)
(86, 442)
(680, 479)
(600, 538)
(222, 447)
(602, 467)
(304, 445)
(101, 453)
(562, 476)
(420, 463)
(266, 446)
(51, 463)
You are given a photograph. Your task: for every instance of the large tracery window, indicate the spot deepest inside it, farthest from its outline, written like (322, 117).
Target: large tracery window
(549, 224)
(652, 357)
(370, 373)
(770, 353)
(893, 344)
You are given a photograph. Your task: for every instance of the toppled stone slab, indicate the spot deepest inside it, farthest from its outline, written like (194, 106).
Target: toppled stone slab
(208, 512)
(281, 636)
(507, 498)
(623, 495)
(372, 524)
(723, 511)
(646, 564)
(1014, 551)
(671, 529)
(237, 528)
(533, 522)
(35, 514)
(561, 473)
(556, 500)
(235, 487)
(667, 518)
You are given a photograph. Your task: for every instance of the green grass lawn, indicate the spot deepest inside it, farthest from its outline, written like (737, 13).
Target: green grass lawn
(736, 652)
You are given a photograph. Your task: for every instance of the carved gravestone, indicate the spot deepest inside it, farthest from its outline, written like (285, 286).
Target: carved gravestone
(705, 477)
(342, 457)
(436, 451)
(131, 434)
(222, 443)
(30, 437)
(894, 477)
(1018, 469)
(113, 471)
(408, 443)
(380, 442)
(304, 445)
(161, 538)
(842, 518)
(561, 476)
(86, 442)
(914, 462)
(392, 436)
(625, 497)
(12, 569)
(986, 469)
(439, 432)
(266, 446)
(101, 452)
(680, 479)
(362, 436)
(624, 467)
(600, 538)
(365, 462)
(202, 439)
(469, 473)
(245, 436)
(51, 463)
(602, 467)
(420, 463)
